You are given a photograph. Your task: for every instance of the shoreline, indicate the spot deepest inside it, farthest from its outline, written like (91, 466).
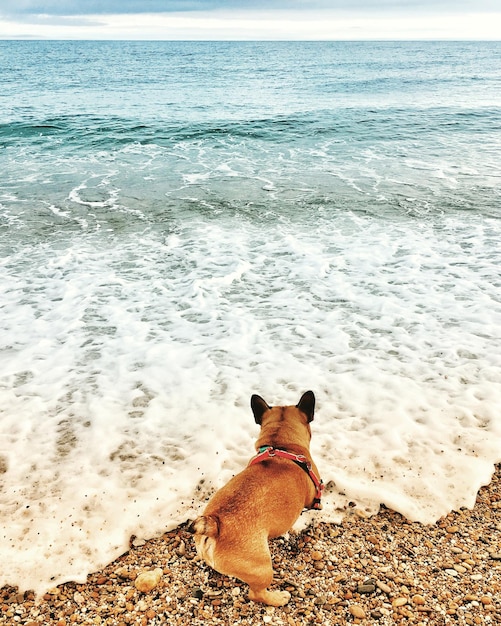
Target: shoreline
(378, 570)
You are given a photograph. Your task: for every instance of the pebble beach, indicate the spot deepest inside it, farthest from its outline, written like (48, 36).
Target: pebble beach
(377, 570)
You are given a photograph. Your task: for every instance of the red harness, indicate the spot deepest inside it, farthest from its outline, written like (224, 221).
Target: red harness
(268, 452)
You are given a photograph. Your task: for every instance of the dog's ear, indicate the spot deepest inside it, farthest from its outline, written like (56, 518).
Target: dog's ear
(307, 404)
(259, 408)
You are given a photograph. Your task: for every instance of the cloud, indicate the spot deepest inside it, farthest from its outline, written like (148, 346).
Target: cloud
(18, 8)
(59, 20)
(249, 19)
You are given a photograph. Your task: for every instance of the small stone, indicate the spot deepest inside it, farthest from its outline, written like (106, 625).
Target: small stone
(316, 555)
(400, 601)
(383, 586)
(417, 599)
(451, 572)
(148, 580)
(486, 600)
(366, 588)
(357, 611)
(122, 573)
(78, 598)
(235, 591)
(496, 556)
(452, 529)
(141, 606)
(197, 593)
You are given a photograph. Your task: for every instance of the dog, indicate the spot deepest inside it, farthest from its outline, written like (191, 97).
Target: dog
(263, 501)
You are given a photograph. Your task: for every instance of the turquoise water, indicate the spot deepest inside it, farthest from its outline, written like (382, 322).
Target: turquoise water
(396, 128)
(183, 224)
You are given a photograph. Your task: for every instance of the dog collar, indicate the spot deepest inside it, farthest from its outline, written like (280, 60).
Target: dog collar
(269, 452)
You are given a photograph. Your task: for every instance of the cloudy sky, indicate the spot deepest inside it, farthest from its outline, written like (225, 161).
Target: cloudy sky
(245, 19)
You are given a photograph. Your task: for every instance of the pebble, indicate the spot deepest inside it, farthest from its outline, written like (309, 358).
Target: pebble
(357, 611)
(148, 580)
(418, 599)
(370, 588)
(78, 597)
(197, 593)
(383, 586)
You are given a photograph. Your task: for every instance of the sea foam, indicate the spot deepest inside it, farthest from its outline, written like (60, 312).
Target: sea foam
(128, 365)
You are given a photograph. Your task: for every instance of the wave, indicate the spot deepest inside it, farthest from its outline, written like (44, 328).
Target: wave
(90, 131)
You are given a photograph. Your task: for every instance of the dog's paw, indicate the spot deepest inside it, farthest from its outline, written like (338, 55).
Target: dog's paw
(272, 598)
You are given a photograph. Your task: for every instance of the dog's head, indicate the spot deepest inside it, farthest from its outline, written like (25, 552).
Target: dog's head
(283, 425)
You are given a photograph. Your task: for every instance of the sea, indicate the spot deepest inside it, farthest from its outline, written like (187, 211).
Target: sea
(185, 224)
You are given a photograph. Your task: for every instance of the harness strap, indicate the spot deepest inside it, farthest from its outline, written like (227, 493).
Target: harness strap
(269, 452)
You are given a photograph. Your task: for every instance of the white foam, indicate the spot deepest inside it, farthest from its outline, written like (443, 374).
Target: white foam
(127, 366)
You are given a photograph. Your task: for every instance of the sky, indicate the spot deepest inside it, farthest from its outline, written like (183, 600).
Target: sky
(255, 20)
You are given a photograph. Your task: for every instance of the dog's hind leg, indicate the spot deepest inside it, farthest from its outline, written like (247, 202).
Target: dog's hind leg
(254, 567)
(259, 577)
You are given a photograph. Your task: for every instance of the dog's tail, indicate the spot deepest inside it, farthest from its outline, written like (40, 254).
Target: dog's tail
(205, 525)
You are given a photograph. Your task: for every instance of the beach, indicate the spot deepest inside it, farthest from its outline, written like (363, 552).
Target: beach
(382, 570)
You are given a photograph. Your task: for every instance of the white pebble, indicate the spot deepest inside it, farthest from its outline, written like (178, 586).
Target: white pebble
(78, 597)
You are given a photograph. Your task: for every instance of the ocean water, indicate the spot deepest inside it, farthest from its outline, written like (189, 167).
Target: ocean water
(185, 224)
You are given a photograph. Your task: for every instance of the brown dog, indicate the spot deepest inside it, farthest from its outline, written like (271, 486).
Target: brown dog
(264, 500)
